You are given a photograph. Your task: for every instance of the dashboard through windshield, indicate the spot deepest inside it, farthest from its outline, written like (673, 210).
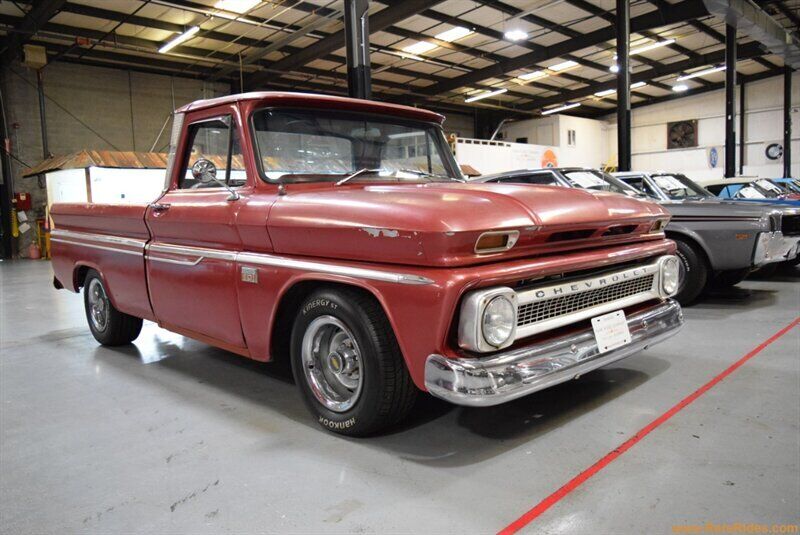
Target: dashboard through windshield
(324, 145)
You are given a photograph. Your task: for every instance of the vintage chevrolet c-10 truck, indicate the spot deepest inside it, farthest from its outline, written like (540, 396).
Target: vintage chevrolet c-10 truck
(338, 234)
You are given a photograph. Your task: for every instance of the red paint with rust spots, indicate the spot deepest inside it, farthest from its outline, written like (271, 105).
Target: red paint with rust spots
(420, 229)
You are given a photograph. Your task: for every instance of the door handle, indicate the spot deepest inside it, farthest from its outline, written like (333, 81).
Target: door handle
(160, 207)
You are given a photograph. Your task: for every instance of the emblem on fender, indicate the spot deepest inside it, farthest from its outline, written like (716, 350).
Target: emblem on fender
(250, 275)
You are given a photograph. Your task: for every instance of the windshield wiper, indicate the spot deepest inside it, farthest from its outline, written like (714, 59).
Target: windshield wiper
(423, 173)
(357, 173)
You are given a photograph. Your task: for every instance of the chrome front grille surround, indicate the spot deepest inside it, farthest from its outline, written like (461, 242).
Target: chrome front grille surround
(542, 308)
(554, 307)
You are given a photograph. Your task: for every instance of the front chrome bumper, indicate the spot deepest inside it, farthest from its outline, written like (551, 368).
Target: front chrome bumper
(775, 247)
(492, 380)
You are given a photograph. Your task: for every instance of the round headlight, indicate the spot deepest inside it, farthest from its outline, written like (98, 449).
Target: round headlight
(670, 276)
(498, 320)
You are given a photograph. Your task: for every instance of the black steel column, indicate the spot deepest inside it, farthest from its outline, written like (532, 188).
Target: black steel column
(742, 136)
(623, 85)
(356, 29)
(730, 100)
(42, 114)
(787, 121)
(6, 181)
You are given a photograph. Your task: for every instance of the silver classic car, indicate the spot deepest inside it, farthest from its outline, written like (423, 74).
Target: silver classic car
(719, 242)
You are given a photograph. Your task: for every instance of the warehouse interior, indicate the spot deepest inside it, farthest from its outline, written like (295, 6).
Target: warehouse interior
(170, 434)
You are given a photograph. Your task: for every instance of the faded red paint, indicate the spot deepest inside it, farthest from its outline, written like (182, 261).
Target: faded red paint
(427, 230)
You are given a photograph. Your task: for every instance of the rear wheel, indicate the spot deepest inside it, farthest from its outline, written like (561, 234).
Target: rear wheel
(693, 272)
(109, 326)
(347, 363)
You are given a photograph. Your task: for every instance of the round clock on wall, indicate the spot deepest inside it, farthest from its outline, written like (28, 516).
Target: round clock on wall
(774, 151)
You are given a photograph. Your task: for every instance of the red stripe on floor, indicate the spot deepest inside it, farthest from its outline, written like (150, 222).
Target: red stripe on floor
(578, 480)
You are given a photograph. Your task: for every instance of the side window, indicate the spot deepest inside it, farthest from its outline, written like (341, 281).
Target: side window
(217, 141)
(716, 189)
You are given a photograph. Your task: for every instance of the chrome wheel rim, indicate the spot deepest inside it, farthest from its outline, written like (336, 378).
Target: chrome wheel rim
(98, 305)
(332, 363)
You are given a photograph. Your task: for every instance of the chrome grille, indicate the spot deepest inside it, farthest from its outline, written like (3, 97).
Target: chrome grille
(555, 307)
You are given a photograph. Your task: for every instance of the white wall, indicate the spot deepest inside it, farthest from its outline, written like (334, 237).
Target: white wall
(591, 138)
(763, 125)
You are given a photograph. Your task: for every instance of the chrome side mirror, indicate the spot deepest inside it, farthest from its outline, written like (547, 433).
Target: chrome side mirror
(204, 171)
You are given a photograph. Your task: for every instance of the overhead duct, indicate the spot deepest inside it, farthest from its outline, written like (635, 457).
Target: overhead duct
(759, 26)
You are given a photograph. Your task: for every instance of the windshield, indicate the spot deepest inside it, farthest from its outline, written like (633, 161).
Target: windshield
(322, 145)
(768, 185)
(595, 180)
(677, 186)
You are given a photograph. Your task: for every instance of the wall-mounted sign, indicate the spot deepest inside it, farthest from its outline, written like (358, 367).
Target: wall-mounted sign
(682, 134)
(713, 157)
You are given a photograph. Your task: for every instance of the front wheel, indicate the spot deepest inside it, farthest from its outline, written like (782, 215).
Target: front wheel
(109, 326)
(347, 363)
(693, 272)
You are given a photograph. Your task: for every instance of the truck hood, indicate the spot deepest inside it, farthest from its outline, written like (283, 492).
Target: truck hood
(438, 224)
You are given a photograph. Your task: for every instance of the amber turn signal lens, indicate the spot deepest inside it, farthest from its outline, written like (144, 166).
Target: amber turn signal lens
(492, 242)
(658, 225)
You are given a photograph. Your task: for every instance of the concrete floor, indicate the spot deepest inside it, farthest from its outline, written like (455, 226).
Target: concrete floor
(173, 436)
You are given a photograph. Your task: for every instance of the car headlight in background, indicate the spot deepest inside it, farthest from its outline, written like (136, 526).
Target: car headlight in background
(498, 320)
(670, 275)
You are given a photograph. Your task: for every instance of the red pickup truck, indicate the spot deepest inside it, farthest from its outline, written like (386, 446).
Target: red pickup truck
(338, 234)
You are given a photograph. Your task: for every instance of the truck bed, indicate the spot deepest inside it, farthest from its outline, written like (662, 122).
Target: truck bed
(88, 236)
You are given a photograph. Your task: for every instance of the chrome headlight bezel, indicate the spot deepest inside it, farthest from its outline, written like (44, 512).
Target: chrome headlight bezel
(471, 334)
(669, 275)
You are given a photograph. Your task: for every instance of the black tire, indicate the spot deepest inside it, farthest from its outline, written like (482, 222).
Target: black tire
(387, 392)
(695, 272)
(732, 277)
(117, 328)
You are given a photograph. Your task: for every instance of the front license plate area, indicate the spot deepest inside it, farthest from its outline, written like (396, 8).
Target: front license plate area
(611, 331)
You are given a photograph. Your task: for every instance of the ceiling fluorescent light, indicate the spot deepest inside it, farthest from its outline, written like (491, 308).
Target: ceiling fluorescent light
(185, 36)
(614, 68)
(237, 6)
(680, 88)
(558, 67)
(535, 75)
(561, 108)
(420, 47)
(486, 95)
(605, 93)
(700, 73)
(515, 35)
(651, 46)
(454, 34)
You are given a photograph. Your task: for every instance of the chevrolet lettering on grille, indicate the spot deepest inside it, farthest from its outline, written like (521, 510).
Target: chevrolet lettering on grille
(580, 286)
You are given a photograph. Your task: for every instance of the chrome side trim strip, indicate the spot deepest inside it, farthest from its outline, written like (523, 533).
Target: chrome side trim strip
(101, 247)
(198, 254)
(262, 259)
(102, 238)
(173, 261)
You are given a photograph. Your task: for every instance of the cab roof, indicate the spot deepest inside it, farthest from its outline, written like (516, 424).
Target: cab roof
(313, 100)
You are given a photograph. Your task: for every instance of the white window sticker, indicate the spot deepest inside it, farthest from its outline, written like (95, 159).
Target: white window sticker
(611, 331)
(767, 185)
(748, 192)
(668, 183)
(586, 180)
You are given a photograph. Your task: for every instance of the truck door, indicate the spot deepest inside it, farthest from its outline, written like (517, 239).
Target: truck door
(191, 257)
